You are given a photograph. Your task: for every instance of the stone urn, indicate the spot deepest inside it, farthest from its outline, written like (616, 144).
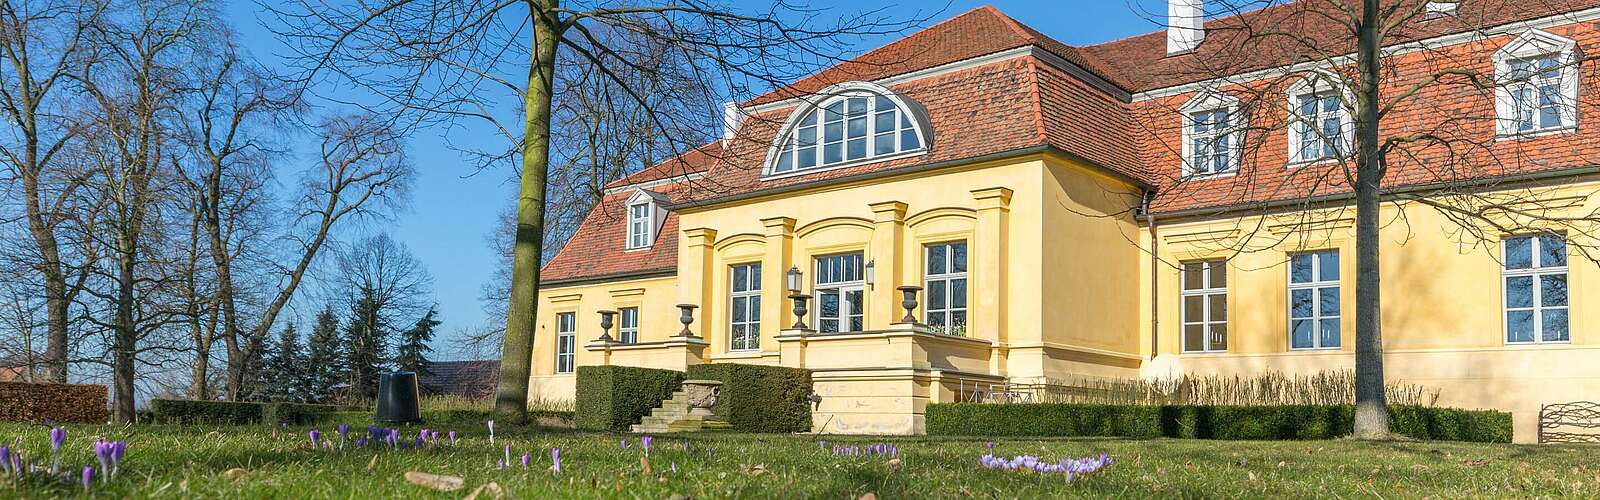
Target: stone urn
(702, 396)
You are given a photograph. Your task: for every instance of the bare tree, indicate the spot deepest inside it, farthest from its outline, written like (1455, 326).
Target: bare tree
(41, 44)
(1398, 147)
(444, 61)
(387, 289)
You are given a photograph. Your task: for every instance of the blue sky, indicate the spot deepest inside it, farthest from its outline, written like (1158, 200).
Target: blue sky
(452, 210)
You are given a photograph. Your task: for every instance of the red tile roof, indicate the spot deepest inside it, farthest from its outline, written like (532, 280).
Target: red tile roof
(471, 379)
(693, 161)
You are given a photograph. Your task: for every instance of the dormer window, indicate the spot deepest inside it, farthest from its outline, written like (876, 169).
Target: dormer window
(645, 214)
(1320, 127)
(857, 123)
(1538, 84)
(1212, 132)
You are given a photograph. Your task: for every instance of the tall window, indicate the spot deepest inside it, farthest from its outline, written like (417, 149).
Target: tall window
(946, 283)
(566, 340)
(744, 329)
(847, 128)
(1537, 93)
(1536, 289)
(840, 294)
(1320, 124)
(628, 327)
(1211, 147)
(639, 225)
(1314, 300)
(1205, 306)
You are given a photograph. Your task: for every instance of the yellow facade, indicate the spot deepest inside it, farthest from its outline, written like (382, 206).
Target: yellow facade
(1060, 286)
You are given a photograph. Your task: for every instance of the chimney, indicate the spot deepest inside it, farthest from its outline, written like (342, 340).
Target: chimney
(1185, 25)
(732, 117)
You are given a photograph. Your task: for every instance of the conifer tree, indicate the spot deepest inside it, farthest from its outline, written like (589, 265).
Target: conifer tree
(366, 338)
(285, 370)
(325, 360)
(412, 353)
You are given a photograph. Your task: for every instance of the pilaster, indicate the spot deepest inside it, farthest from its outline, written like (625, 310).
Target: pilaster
(888, 238)
(987, 319)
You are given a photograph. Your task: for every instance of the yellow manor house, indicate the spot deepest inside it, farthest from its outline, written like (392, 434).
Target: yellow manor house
(1146, 207)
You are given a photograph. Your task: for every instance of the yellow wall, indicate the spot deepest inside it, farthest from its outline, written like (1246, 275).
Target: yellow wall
(658, 320)
(1442, 315)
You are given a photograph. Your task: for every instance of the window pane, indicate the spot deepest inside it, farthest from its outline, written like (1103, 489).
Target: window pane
(1328, 265)
(858, 105)
(938, 255)
(832, 153)
(737, 335)
(883, 144)
(1519, 253)
(857, 128)
(908, 140)
(1219, 337)
(1328, 299)
(1194, 337)
(1300, 334)
(883, 122)
(830, 305)
(741, 276)
(1300, 268)
(833, 132)
(1300, 305)
(958, 318)
(785, 162)
(809, 120)
(853, 298)
(936, 294)
(882, 103)
(1553, 290)
(958, 293)
(828, 326)
(1218, 274)
(1552, 251)
(755, 277)
(857, 149)
(1194, 308)
(855, 324)
(1519, 326)
(1193, 279)
(755, 310)
(958, 257)
(1554, 323)
(739, 307)
(1219, 307)
(1329, 332)
(808, 137)
(807, 158)
(834, 112)
(1519, 291)
(936, 318)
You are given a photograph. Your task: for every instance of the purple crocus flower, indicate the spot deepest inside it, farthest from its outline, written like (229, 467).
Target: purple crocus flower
(58, 437)
(344, 433)
(109, 453)
(645, 442)
(622, 443)
(361, 442)
(507, 461)
(5, 458)
(433, 437)
(88, 476)
(525, 460)
(989, 446)
(316, 438)
(491, 432)
(555, 456)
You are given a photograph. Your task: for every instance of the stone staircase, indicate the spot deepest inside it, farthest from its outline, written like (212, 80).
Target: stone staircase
(673, 416)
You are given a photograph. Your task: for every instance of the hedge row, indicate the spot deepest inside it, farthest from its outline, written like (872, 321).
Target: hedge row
(1208, 422)
(29, 402)
(615, 397)
(183, 411)
(758, 398)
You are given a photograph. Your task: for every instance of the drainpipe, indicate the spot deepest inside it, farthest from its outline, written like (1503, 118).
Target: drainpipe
(1155, 282)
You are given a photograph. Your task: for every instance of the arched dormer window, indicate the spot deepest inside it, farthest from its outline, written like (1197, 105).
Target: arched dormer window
(1319, 119)
(851, 123)
(1537, 84)
(646, 211)
(1213, 133)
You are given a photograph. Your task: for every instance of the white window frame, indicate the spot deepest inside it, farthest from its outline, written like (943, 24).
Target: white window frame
(750, 297)
(1536, 271)
(566, 341)
(842, 289)
(1211, 102)
(908, 122)
(639, 225)
(642, 228)
(1530, 45)
(1321, 84)
(628, 325)
(1316, 286)
(1207, 292)
(948, 278)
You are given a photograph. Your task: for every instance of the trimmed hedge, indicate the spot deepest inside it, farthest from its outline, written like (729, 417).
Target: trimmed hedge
(759, 398)
(302, 413)
(615, 397)
(1208, 422)
(29, 402)
(184, 411)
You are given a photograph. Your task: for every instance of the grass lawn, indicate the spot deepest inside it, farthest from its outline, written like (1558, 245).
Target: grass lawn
(192, 461)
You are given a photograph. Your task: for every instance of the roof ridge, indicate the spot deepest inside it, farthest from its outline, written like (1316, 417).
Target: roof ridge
(1016, 26)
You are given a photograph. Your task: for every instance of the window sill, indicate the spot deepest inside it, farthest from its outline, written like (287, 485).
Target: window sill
(1202, 353)
(768, 176)
(1315, 350)
(1535, 134)
(1312, 162)
(1537, 344)
(1207, 177)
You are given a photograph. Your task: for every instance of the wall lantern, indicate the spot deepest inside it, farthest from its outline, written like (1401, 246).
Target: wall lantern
(872, 272)
(794, 279)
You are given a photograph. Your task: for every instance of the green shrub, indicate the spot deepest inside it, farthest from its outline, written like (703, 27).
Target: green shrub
(615, 397)
(302, 413)
(32, 402)
(759, 398)
(183, 411)
(1285, 422)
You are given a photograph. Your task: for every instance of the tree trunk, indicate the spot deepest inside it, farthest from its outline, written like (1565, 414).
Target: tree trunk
(517, 353)
(56, 300)
(125, 336)
(1372, 414)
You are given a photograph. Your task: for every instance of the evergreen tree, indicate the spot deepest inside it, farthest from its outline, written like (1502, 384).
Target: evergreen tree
(412, 353)
(285, 370)
(366, 339)
(324, 359)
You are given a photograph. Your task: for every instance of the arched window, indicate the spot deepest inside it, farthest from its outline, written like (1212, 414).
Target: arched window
(1538, 84)
(856, 123)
